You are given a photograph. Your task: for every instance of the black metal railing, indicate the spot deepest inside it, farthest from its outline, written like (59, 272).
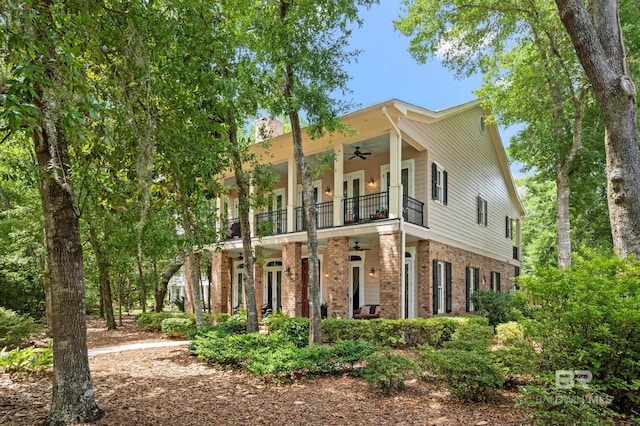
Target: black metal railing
(515, 253)
(271, 223)
(324, 216)
(365, 208)
(412, 210)
(233, 229)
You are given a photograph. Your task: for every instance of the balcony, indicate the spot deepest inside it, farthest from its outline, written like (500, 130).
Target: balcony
(271, 223)
(367, 208)
(324, 216)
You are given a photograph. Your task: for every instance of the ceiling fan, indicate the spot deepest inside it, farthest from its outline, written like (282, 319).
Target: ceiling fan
(357, 247)
(358, 153)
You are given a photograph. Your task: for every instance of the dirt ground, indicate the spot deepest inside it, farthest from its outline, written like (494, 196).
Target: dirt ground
(166, 386)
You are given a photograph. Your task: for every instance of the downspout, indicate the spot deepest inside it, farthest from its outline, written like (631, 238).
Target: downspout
(401, 222)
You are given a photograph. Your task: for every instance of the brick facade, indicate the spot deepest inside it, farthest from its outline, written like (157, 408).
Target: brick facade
(391, 258)
(424, 288)
(220, 282)
(292, 284)
(338, 280)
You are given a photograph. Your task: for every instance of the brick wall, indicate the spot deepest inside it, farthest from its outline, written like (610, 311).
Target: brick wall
(424, 290)
(220, 282)
(292, 284)
(338, 280)
(390, 270)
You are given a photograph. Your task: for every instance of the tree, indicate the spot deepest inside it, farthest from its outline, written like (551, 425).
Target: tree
(43, 89)
(598, 41)
(519, 48)
(304, 44)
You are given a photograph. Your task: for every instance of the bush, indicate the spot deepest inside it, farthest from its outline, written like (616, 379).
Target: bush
(26, 360)
(176, 326)
(152, 321)
(405, 333)
(15, 329)
(510, 333)
(496, 306)
(566, 407)
(221, 317)
(296, 331)
(275, 321)
(473, 331)
(469, 375)
(388, 371)
(586, 318)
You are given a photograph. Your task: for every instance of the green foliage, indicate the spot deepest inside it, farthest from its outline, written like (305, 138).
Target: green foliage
(551, 406)
(221, 317)
(152, 321)
(25, 361)
(388, 371)
(494, 305)
(587, 318)
(296, 331)
(176, 326)
(15, 329)
(473, 331)
(469, 375)
(405, 333)
(510, 333)
(352, 351)
(232, 326)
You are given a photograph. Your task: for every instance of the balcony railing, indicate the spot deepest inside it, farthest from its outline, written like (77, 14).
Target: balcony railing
(376, 207)
(412, 210)
(324, 216)
(233, 229)
(271, 223)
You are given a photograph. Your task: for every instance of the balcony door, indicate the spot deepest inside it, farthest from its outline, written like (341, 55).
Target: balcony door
(407, 177)
(277, 210)
(352, 188)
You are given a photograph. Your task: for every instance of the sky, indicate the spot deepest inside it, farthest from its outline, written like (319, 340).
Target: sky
(385, 69)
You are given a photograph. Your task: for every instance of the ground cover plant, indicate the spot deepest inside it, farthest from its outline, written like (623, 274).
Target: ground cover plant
(15, 329)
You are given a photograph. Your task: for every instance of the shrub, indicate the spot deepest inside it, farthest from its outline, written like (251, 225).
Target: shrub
(469, 375)
(586, 318)
(510, 333)
(26, 360)
(352, 351)
(467, 345)
(176, 326)
(221, 317)
(231, 327)
(152, 321)
(275, 321)
(473, 331)
(566, 407)
(388, 371)
(494, 305)
(296, 331)
(15, 329)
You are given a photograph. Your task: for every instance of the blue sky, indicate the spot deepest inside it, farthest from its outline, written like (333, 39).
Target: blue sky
(386, 70)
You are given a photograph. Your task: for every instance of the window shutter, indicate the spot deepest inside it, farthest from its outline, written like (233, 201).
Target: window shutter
(434, 181)
(507, 226)
(435, 287)
(467, 288)
(498, 282)
(485, 211)
(476, 280)
(444, 187)
(447, 276)
(479, 210)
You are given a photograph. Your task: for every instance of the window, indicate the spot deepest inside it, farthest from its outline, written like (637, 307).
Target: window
(441, 287)
(439, 184)
(482, 211)
(495, 281)
(472, 285)
(508, 227)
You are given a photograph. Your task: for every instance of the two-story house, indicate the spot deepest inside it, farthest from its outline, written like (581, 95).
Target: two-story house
(417, 211)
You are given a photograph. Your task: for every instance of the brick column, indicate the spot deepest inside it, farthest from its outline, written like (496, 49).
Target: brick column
(338, 281)
(390, 269)
(424, 291)
(258, 278)
(292, 284)
(188, 286)
(220, 282)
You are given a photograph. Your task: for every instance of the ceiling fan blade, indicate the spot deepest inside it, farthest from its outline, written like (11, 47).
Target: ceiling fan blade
(353, 157)
(365, 153)
(363, 157)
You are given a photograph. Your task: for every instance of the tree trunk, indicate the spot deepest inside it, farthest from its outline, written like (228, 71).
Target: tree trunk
(309, 202)
(244, 204)
(106, 301)
(600, 49)
(194, 267)
(72, 395)
(563, 223)
(165, 277)
(142, 288)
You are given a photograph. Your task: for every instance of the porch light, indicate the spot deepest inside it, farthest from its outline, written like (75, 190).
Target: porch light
(327, 191)
(372, 271)
(372, 182)
(287, 272)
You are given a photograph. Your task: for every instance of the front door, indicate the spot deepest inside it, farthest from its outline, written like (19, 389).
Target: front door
(238, 287)
(273, 286)
(356, 278)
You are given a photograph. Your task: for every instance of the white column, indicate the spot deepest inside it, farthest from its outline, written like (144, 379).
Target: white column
(338, 179)
(292, 184)
(395, 181)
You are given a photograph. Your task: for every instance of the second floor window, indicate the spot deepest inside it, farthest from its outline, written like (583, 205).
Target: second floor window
(508, 227)
(439, 178)
(482, 211)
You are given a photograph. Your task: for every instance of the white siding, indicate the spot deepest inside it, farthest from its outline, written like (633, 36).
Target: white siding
(473, 166)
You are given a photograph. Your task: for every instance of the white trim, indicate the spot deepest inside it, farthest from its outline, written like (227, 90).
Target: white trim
(265, 284)
(352, 264)
(441, 287)
(411, 285)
